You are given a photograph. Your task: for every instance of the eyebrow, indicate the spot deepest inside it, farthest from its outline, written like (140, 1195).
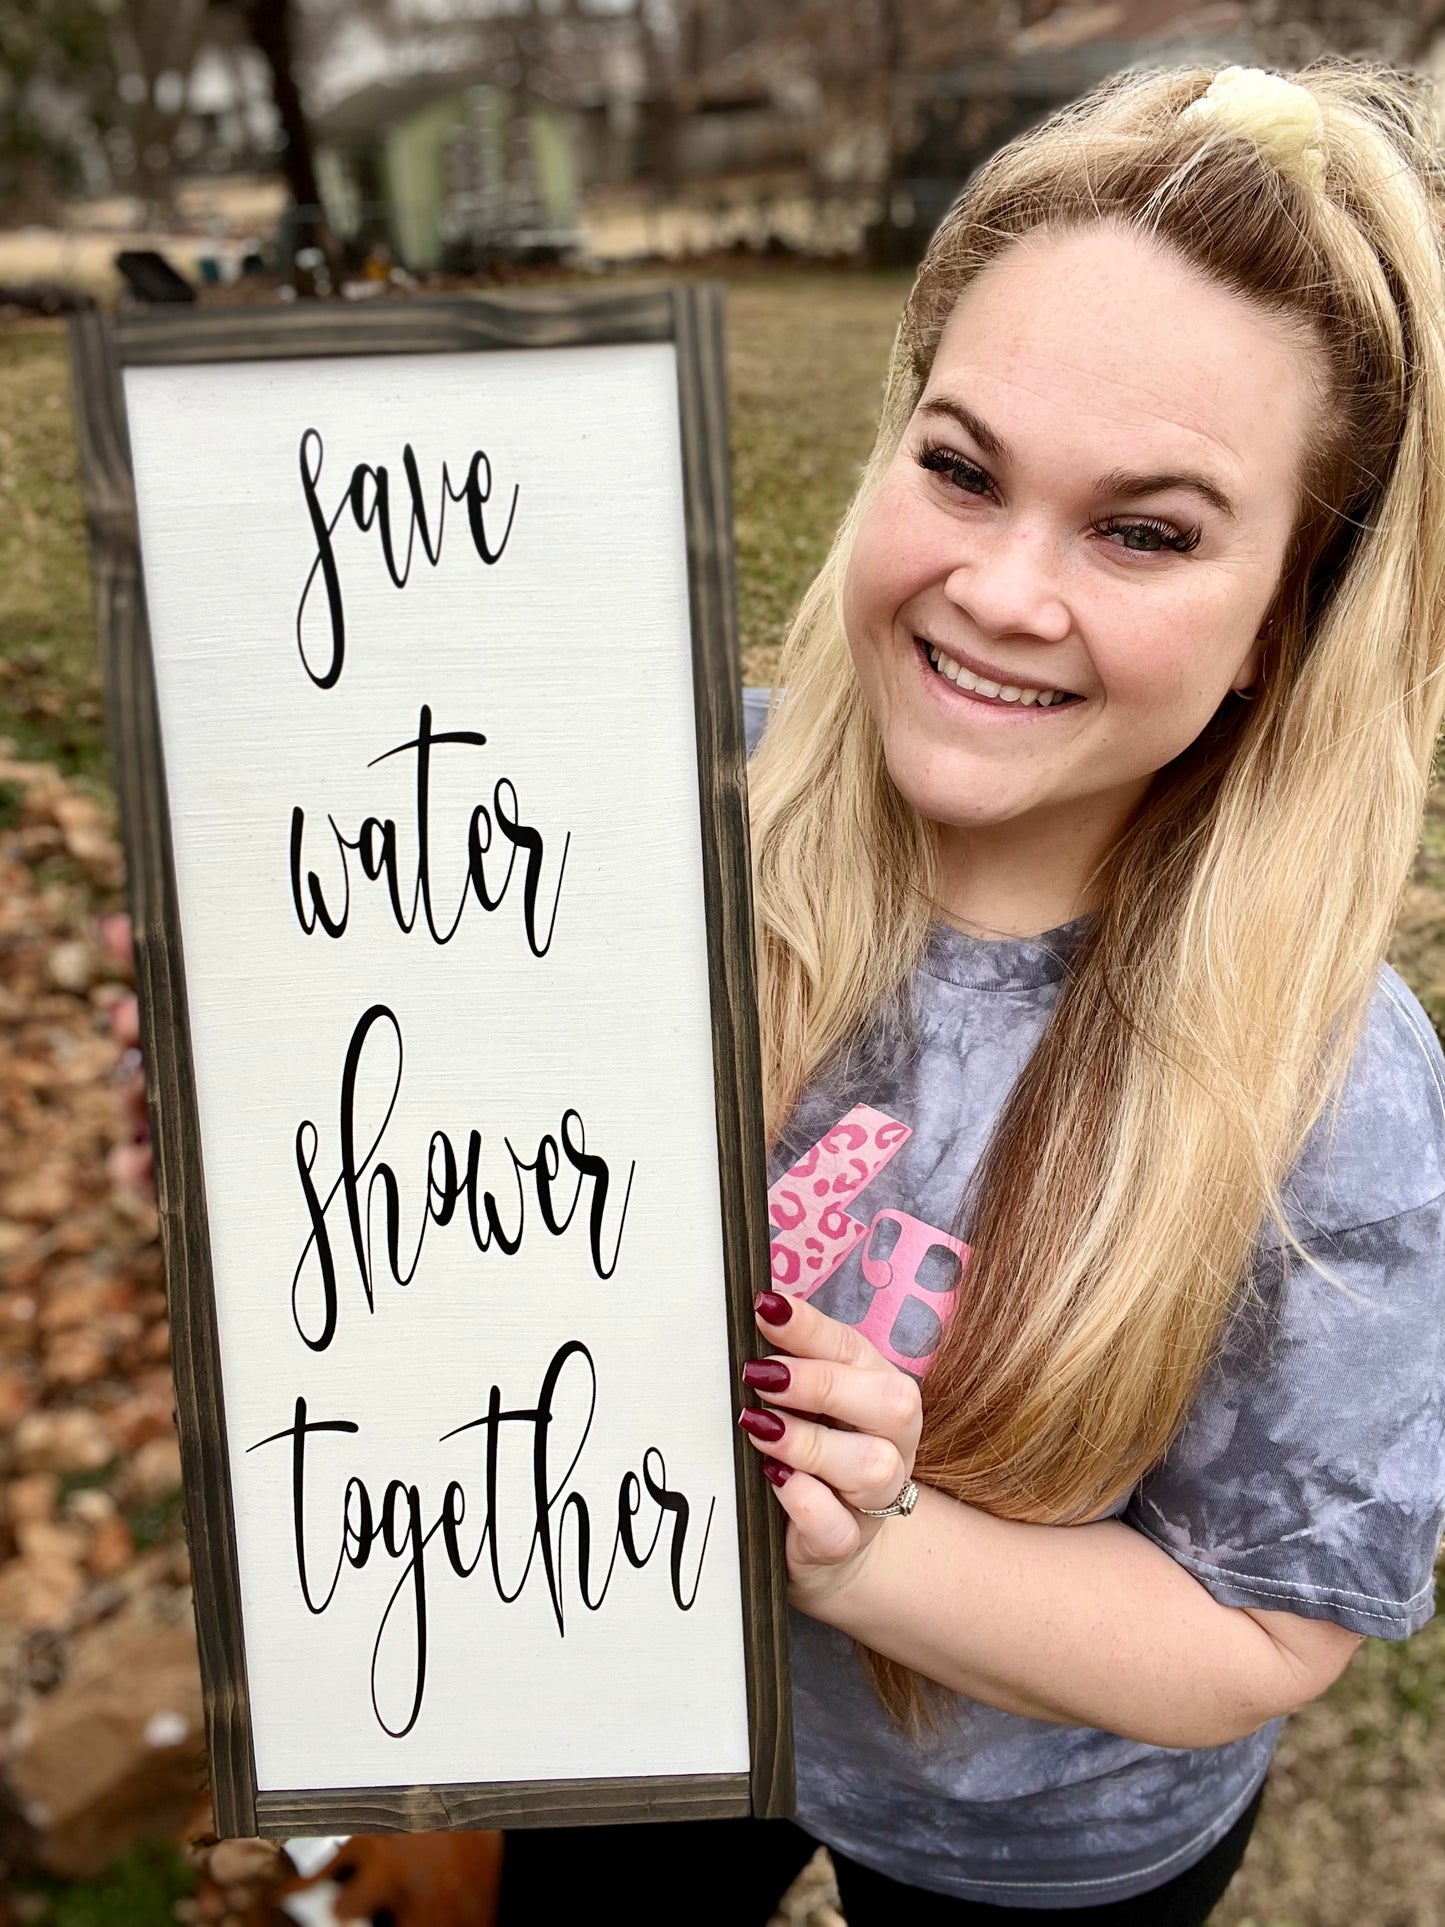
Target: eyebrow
(1119, 484)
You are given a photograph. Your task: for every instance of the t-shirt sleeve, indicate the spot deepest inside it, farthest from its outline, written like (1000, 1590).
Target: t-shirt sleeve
(755, 715)
(1310, 1474)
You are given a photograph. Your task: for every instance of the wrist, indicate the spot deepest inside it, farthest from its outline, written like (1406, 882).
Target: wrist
(835, 1593)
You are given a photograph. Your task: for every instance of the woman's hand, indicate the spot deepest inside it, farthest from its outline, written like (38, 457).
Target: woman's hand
(840, 1431)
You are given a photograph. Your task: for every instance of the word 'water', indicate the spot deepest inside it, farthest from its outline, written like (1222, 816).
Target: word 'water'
(375, 846)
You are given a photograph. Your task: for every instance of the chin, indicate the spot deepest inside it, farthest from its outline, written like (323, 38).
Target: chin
(951, 805)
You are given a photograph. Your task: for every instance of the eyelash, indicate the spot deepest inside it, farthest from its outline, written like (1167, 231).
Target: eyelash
(939, 459)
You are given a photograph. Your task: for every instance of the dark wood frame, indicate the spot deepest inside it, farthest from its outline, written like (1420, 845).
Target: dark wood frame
(689, 316)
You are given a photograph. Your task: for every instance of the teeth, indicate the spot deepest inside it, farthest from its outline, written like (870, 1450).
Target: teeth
(1006, 692)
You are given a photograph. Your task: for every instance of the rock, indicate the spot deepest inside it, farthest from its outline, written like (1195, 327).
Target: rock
(65, 1442)
(115, 1753)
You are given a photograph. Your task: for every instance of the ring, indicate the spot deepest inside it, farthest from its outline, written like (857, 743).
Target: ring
(900, 1508)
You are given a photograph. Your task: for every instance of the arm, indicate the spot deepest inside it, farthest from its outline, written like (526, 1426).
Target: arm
(1089, 1625)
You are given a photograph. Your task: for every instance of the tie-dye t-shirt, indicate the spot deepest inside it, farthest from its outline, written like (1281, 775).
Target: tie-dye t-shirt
(1310, 1476)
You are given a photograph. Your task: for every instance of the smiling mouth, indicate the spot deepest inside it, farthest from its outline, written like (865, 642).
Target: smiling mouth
(1000, 695)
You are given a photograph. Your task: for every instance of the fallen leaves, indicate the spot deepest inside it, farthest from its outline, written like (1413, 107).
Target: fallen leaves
(97, 1646)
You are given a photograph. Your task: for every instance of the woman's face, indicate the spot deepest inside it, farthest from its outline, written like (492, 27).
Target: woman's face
(1093, 497)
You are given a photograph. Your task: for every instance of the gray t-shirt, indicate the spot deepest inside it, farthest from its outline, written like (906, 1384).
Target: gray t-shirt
(1309, 1478)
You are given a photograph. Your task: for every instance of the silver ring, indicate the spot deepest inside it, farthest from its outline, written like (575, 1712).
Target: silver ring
(900, 1508)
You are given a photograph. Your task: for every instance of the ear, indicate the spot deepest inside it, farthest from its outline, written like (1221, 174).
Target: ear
(1248, 672)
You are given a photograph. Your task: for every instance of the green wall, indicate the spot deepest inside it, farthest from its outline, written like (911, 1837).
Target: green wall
(413, 170)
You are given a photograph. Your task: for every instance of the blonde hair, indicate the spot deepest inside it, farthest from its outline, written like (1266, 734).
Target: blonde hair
(1216, 998)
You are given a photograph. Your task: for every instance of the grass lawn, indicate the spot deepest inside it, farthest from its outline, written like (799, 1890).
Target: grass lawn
(49, 683)
(1354, 1833)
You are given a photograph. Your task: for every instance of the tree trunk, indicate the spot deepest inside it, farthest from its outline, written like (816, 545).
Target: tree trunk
(270, 24)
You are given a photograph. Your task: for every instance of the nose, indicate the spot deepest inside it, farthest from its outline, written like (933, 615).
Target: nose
(1007, 584)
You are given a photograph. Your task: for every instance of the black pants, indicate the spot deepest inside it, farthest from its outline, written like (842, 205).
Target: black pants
(733, 1873)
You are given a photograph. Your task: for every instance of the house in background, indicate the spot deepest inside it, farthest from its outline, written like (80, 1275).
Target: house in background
(446, 167)
(451, 163)
(961, 116)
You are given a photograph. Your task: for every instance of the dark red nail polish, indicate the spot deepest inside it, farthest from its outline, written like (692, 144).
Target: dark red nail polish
(762, 1425)
(776, 1471)
(773, 1308)
(767, 1375)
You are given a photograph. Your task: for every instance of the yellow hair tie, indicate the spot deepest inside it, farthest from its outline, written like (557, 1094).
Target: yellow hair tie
(1282, 119)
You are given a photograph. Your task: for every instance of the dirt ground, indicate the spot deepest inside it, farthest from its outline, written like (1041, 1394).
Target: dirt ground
(221, 219)
(1353, 1829)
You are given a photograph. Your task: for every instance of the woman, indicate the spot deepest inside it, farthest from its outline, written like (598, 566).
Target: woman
(1105, 1405)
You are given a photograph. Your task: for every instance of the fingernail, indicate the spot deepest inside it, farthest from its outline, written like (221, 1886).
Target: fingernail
(773, 1308)
(776, 1471)
(767, 1375)
(762, 1425)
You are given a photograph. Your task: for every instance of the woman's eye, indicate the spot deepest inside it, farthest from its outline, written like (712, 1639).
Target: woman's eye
(1148, 538)
(1145, 537)
(955, 469)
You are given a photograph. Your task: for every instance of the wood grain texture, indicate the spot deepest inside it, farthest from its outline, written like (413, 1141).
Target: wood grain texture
(737, 1063)
(533, 1803)
(165, 1035)
(441, 325)
(691, 317)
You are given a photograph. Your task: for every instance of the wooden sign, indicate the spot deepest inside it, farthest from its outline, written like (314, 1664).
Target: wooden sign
(428, 739)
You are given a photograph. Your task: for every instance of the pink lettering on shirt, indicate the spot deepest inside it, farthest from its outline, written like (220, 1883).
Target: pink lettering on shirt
(808, 1204)
(814, 1231)
(898, 1277)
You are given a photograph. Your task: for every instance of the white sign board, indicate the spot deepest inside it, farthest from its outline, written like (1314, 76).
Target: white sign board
(422, 634)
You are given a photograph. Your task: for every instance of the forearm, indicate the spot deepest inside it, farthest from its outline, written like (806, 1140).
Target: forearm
(1089, 1625)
